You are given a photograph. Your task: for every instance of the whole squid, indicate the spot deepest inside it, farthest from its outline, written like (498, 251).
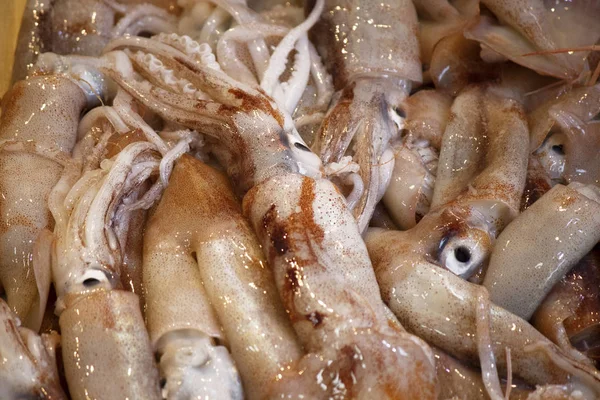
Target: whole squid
(372, 51)
(40, 117)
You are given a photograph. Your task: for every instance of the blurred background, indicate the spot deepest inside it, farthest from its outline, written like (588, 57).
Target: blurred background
(10, 19)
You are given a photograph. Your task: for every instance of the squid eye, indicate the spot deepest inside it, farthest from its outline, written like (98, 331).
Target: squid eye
(551, 154)
(400, 111)
(462, 256)
(300, 146)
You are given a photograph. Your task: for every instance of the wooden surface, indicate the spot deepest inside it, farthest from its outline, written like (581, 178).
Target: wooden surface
(10, 19)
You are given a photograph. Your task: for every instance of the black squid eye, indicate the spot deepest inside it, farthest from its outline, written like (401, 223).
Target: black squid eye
(300, 146)
(400, 111)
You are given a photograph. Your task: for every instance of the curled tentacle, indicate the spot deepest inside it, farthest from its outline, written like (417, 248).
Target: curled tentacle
(88, 250)
(227, 54)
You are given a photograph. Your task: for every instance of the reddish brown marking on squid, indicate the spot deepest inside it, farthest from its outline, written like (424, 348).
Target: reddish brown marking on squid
(251, 103)
(290, 287)
(395, 326)
(277, 232)
(307, 197)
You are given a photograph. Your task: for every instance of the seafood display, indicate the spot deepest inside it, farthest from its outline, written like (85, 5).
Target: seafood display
(331, 199)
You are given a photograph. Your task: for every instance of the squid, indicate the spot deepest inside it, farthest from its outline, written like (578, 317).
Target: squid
(201, 254)
(89, 241)
(531, 39)
(374, 52)
(84, 27)
(571, 215)
(408, 196)
(38, 130)
(310, 239)
(28, 368)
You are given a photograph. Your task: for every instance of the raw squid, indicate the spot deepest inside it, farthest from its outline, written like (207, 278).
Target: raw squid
(374, 52)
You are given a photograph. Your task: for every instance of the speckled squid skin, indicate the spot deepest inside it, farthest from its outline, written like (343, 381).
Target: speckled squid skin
(484, 149)
(440, 307)
(105, 347)
(369, 38)
(200, 218)
(45, 110)
(328, 288)
(539, 247)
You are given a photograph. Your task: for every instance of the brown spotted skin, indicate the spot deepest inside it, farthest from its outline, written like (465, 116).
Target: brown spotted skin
(105, 347)
(45, 110)
(326, 281)
(547, 240)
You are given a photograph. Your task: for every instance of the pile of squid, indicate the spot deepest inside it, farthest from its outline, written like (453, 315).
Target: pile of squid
(343, 199)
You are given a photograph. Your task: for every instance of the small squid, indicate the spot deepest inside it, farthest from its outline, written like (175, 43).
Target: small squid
(84, 27)
(38, 130)
(373, 53)
(90, 237)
